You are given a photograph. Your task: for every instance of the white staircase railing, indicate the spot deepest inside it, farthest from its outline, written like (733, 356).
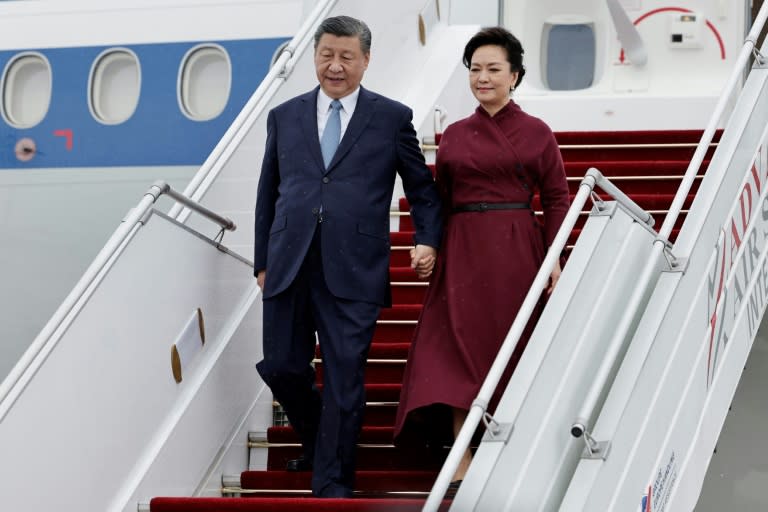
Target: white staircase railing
(662, 244)
(478, 411)
(688, 353)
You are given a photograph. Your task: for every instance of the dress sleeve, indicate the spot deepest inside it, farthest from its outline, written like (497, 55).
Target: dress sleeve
(418, 184)
(553, 188)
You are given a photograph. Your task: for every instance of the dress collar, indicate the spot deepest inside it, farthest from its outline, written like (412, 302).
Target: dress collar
(509, 109)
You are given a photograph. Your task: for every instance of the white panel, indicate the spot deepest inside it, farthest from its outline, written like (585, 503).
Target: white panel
(239, 402)
(471, 12)
(107, 388)
(43, 212)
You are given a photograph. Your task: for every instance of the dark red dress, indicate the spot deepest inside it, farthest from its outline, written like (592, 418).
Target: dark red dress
(487, 260)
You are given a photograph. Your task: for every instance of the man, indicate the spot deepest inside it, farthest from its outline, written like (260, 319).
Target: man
(322, 244)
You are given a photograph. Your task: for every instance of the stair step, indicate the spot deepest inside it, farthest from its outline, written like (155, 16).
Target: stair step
(380, 414)
(290, 505)
(369, 435)
(401, 311)
(399, 256)
(666, 184)
(377, 371)
(634, 136)
(369, 457)
(401, 238)
(587, 145)
(617, 169)
(381, 351)
(647, 201)
(368, 482)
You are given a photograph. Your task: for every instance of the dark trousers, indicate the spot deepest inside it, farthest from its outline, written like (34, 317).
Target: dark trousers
(329, 426)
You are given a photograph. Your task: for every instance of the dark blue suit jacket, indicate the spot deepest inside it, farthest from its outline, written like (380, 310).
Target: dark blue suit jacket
(355, 192)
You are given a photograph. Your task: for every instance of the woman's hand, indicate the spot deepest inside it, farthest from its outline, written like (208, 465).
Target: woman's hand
(554, 277)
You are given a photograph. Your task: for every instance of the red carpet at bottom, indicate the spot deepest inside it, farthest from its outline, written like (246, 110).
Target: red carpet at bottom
(290, 505)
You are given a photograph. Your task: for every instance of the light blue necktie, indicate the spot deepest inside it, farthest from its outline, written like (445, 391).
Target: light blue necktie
(332, 133)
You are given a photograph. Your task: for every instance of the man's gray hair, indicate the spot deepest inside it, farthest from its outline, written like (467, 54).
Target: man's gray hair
(345, 26)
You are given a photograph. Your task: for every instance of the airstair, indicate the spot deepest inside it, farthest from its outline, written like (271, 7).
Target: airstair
(144, 378)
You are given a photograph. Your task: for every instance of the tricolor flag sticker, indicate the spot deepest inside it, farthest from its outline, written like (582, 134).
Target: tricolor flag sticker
(645, 504)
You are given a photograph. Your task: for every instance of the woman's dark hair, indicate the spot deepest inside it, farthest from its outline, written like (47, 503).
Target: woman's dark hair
(498, 36)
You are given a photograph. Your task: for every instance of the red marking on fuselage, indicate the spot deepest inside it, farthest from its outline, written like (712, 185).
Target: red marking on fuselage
(681, 9)
(68, 136)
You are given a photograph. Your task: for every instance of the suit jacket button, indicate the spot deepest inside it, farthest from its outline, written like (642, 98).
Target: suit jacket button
(326, 179)
(315, 211)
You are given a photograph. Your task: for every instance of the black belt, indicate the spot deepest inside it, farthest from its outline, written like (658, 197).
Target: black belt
(484, 207)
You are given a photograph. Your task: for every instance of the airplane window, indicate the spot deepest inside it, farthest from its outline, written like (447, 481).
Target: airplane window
(205, 81)
(114, 86)
(570, 56)
(26, 90)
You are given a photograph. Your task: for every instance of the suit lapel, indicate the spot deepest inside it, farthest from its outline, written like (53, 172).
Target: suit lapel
(360, 119)
(308, 121)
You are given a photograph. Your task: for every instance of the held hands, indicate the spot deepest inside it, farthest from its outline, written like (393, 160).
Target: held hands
(423, 260)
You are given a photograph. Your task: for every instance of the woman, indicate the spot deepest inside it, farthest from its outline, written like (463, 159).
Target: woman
(488, 167)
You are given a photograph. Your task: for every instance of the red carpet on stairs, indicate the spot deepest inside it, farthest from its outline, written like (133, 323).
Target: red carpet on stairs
(647, 166)
(367, 481)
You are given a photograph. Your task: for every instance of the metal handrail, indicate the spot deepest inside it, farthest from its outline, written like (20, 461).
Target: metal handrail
(478, 409)
(34, 357)
(256, 104)
(582, 423)
(224, 222)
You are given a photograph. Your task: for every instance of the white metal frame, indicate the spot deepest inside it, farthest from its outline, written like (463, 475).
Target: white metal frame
(478, 410)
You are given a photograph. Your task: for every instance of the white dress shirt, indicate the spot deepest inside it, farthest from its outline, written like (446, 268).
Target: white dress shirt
(348, 104)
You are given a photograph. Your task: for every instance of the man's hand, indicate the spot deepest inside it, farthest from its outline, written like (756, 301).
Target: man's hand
(423, 260)
(260, 278)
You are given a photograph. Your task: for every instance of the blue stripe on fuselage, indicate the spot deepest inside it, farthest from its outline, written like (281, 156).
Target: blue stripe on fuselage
(157, 134)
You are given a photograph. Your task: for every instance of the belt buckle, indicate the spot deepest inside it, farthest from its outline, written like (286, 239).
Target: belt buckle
(483, 207)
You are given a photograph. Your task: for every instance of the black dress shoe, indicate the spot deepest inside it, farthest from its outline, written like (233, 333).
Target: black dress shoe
(300, 464)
